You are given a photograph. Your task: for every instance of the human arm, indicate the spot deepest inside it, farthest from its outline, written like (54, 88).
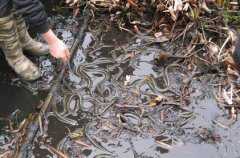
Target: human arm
(35, 16)
(57, 48)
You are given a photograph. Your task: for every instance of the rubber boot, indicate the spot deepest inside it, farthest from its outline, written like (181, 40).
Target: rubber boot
(32, 46)
(10, 44)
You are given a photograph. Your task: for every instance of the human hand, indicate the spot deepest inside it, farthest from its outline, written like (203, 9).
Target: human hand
(59, 50)
(72, 2)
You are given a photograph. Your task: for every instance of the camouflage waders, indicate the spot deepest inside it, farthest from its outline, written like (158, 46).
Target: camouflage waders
(27, 43)
(12, 40)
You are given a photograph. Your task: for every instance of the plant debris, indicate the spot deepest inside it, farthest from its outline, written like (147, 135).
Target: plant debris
(106, 100)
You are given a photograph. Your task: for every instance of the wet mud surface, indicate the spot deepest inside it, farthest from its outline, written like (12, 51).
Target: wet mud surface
(116, 102)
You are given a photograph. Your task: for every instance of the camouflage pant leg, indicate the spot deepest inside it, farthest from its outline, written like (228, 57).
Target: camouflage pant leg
(28, 43)
(21, 28)
(9, 42)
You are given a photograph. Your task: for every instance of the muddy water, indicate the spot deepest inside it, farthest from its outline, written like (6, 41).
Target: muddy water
(114, 115)
(198, 137)
(13, 96)
(17, 103)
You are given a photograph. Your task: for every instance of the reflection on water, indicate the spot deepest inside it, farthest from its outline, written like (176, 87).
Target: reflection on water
(116, 103)
(193, 151)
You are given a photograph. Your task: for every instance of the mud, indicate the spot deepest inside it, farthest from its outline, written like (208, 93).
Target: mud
(110, 107)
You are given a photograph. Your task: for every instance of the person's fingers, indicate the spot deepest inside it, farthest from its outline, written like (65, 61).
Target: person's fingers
(64, 58)
(67, 57)
(67, 1)
(68, 54)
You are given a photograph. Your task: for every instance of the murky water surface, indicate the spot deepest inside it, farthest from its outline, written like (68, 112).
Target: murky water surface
(115, 102)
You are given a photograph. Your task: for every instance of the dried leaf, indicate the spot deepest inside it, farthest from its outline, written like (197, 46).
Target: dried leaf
(232, 72)
(228, 99)
(178, 5)
(128, 78)
(186, 6)
(158, 34)
(164, 145)
(205, 7)
(57, 152)
(233, 113)
(173, 15)
(132, 3)
(195, 13)
(79, 142)
(220, 2)
(162, 39)
(212, 48)
(154, 102)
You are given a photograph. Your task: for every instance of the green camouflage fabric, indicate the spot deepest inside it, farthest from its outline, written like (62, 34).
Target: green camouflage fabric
(11, 46)
(30, 45)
